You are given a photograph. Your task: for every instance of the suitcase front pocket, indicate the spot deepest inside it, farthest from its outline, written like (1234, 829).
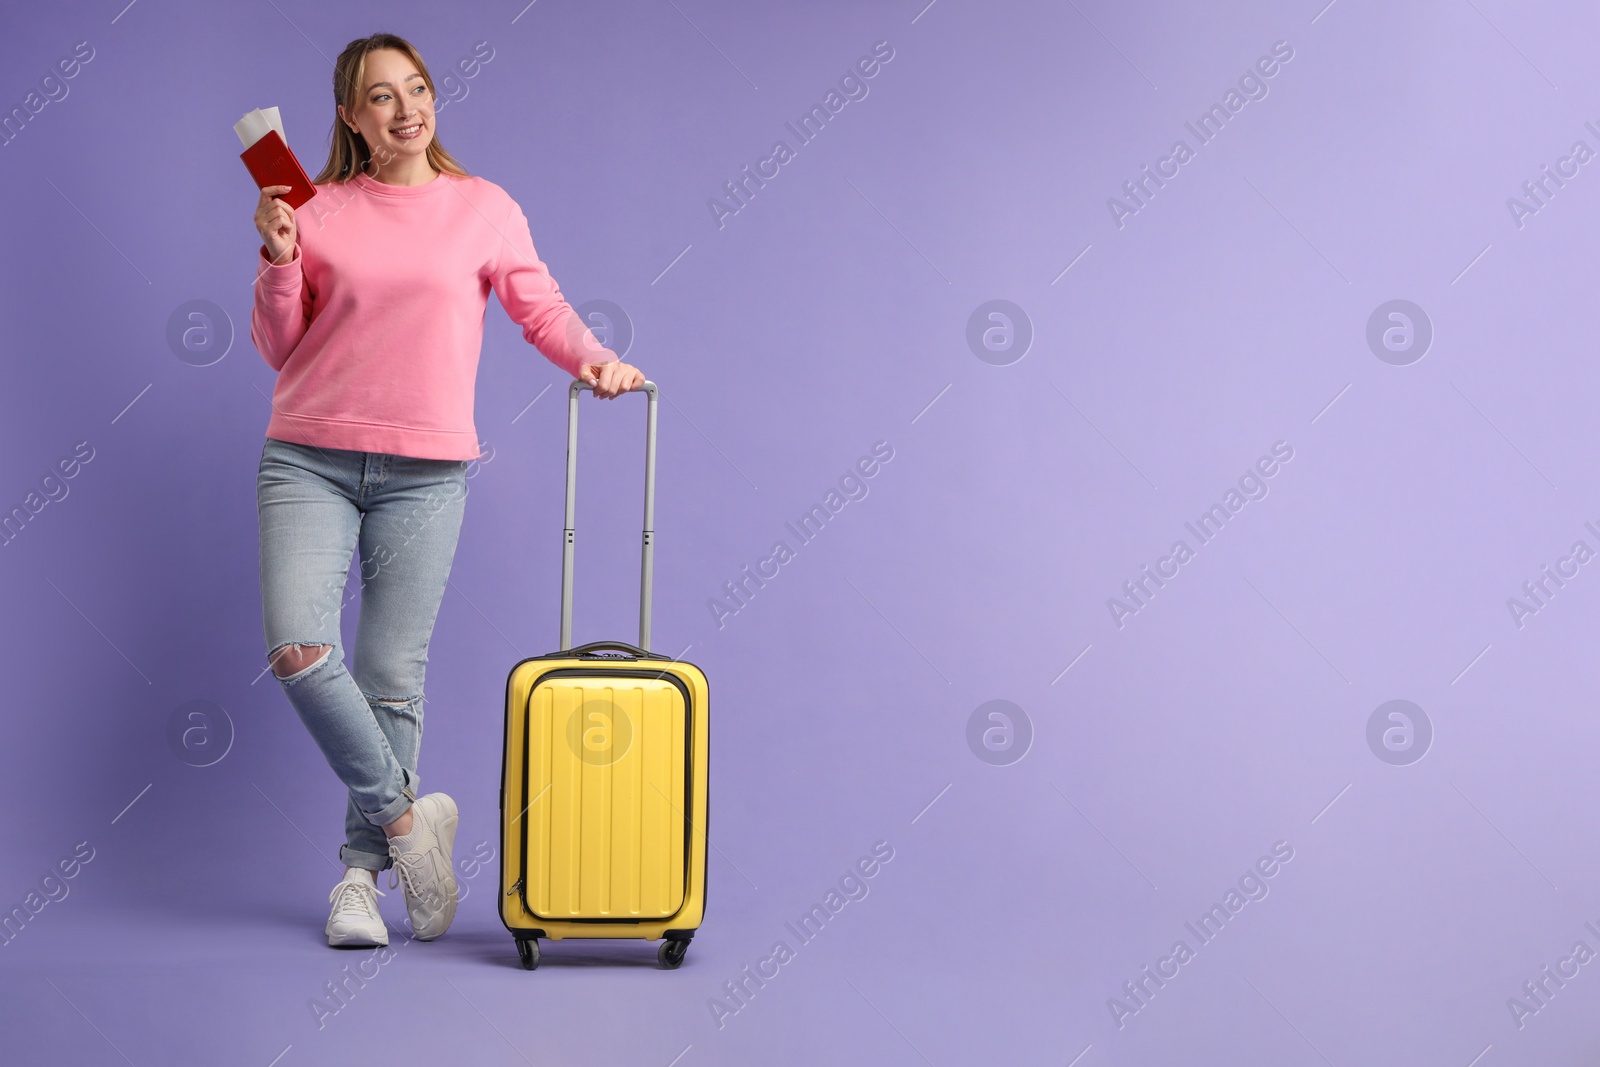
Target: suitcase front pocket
(606, 791)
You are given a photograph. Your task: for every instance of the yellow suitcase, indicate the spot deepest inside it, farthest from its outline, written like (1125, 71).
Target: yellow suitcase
(603, 778)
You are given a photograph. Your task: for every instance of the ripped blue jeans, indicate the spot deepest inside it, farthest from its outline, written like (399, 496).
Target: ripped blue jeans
(315, 507)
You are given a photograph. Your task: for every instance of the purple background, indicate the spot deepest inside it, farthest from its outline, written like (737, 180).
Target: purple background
(831, 312)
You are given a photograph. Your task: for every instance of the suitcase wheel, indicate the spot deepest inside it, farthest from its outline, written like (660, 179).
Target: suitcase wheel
(671, 953)
(528, 952)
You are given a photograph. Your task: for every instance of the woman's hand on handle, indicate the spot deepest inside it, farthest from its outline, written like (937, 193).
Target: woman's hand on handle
(612, 379)
(275, 221)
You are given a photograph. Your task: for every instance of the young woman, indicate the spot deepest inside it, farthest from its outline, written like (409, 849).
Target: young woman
(369, 302)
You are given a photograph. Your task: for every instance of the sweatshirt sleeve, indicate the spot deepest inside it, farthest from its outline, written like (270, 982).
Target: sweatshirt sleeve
(530, 296)
(282, 308)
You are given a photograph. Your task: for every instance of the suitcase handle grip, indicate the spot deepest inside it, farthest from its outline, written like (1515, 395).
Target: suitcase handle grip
(569, 537)
(619, 646)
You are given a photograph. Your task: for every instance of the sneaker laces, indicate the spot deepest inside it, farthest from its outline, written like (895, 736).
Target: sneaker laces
(420, 907)
(355, 895)
(405, 870)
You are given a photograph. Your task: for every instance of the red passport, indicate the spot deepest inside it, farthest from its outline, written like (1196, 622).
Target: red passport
(270, 162)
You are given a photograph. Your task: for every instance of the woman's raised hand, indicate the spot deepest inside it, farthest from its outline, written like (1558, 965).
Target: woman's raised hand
(275, 221)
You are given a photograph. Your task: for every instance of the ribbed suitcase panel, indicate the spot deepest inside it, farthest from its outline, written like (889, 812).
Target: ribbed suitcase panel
(606, 784)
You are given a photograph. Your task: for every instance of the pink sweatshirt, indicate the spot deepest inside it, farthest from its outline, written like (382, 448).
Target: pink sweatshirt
(375, 326)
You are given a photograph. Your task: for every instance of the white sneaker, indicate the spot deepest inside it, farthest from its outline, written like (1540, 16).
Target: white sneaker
(355, 919)
(422, 863)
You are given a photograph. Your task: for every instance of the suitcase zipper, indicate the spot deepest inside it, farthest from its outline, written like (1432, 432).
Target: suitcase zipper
(517, 885)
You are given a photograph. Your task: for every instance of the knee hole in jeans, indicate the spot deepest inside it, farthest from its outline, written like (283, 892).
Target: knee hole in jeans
(292, 658)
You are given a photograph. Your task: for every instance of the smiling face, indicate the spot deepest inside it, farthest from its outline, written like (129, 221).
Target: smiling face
(393, 111)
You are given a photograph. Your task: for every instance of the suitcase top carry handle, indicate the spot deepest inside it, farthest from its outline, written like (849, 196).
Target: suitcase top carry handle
(569, 537)
(616, 646)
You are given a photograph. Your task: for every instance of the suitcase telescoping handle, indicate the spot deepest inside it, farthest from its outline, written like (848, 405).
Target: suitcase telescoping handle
(647, 549)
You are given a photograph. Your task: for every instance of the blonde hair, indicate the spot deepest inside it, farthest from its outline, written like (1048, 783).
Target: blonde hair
(348, 153)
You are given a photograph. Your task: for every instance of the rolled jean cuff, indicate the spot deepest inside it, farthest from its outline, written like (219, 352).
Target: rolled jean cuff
(367, 861)
(396, 807)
